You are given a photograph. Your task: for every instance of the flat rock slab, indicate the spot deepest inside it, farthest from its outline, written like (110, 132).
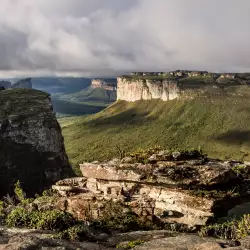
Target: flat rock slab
(186, 242)
(178, 173)
(106, 172)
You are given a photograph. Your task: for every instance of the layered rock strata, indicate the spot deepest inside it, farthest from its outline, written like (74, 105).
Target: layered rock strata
(171, 188)
(31, 144)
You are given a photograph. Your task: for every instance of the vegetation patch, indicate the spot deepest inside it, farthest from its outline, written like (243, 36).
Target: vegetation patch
(130, 244)
(232, 229)
(217, 125)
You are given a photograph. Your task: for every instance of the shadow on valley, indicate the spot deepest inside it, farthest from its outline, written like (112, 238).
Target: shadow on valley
(74, 109)
(128, 117)
(235, 137)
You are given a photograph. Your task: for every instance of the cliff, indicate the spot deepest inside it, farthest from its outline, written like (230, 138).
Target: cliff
(146, 90)
(176, 84)
(99, 83)
(31, 145)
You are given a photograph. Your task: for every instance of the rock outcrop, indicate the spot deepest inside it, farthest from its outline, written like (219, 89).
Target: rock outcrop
(26, 239)
(146, 90)
(169, 188)
(99, 83)
(31, 144)
(175, 84)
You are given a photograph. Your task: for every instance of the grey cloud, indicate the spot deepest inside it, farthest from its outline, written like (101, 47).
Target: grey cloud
(93, 37)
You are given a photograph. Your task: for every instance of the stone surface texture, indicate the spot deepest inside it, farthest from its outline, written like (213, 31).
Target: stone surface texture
(31, 144)
(172, 188)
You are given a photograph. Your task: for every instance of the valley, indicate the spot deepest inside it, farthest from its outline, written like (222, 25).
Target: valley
(210, 117)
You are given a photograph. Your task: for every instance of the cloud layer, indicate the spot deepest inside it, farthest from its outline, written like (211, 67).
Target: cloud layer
(97, 37)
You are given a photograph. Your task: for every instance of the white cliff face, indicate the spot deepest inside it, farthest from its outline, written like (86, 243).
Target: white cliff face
(135, 90)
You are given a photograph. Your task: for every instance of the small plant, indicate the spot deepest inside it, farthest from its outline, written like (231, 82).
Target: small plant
(121, 152)
(1, 209)
(9, 200)
(142, 155)
(46, 220)
(239, 169)
(116, 216)
(232, 229)
(77, 232)
(20, 194)
(130, 244)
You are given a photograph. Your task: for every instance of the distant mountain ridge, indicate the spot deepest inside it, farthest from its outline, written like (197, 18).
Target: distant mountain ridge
(20, 84)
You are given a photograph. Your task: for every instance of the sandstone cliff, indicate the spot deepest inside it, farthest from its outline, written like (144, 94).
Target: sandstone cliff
(99, 83)
(146, 90)
(31, 144)
(175, 84)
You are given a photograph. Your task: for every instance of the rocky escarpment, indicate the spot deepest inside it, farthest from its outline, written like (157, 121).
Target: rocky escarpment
(99, 83)
(180, 189)
(146, 90)
(175, 84)
(31, 144)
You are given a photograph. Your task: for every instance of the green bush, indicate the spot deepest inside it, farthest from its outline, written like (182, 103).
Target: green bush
(116, 216)
(77, 232)
(130, 244)
(232, 229)
(1, 209)
(47, 220)
(20, 194)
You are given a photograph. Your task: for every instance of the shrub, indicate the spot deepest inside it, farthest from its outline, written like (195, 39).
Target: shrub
(130, 244)
(20, 194)
(116, 216)
(47, 220)
(77, 232)
(232, 229)
(1, 209)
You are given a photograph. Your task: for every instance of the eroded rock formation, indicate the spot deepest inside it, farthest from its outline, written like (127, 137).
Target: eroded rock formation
(99, 83)
(175, 84)
(171, 188)
(146, 90)
(31, 144)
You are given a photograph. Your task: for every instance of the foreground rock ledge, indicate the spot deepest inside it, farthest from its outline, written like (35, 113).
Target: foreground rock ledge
(174, 188)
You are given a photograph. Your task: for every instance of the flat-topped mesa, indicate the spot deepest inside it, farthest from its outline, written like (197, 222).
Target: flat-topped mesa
(100, 83)
(173, 187)
(174, 84)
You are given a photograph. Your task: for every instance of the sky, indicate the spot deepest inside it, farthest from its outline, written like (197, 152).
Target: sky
(112, 37)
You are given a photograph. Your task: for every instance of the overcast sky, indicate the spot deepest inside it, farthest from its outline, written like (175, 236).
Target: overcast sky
(109, 37)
